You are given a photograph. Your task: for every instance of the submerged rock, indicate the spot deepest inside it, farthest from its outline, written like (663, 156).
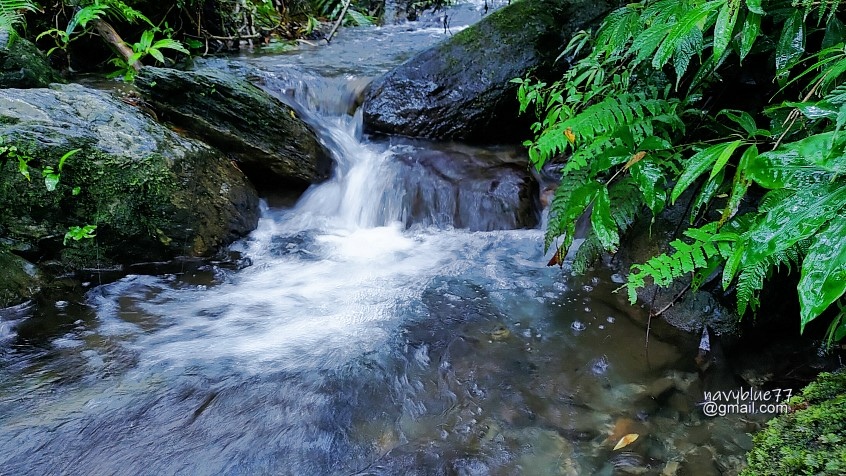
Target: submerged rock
(480, 193)
(22, 64)
(152, 194)
(271, 144)
(460, 88)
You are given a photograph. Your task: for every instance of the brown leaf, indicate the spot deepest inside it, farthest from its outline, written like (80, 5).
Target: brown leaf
(557, 259)
(635, 159)
(626, 441)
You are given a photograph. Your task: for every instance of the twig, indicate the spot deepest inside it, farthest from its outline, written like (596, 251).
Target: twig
(675, 299)
(338, 22)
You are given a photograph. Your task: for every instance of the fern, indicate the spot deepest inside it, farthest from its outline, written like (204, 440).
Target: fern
(707, 244)
(751, 279)
(11, 13)
(628, 204)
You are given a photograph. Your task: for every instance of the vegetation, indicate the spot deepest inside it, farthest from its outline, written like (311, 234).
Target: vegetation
(809, 440)
(648, 117)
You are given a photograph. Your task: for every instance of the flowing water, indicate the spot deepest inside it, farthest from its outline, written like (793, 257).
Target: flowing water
(344, 341)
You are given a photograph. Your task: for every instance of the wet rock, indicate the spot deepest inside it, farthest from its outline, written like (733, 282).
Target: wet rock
(22, 64)
(460, 88)
(152, 194)
(272, 145)
(694, 309)
(18, 279)
(480, 193)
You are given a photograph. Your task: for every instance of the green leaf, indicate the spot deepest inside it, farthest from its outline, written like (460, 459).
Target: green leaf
(76, 191)
(157, 55)
(699, 163)
(742, 118)
(23, 167)
(750, 32)
(754, 6)
(603, 224)
(724, 157)
(50, 181)
(724, 28)
(146, 40)
(791, 44)
(170, 44)
(823, 278)
(739, 185)
(649, 178)
(794, 217)
(835, 33)
(65, 157)
(812, 160)
(680, 30)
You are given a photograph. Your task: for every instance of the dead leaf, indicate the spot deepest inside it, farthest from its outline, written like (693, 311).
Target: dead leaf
(557, 259)
(569, 134)
(635, 159)
(626, 441)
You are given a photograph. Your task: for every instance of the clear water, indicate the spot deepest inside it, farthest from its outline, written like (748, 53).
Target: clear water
(352, 344)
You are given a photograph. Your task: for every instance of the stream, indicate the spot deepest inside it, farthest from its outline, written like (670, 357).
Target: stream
(346, 336)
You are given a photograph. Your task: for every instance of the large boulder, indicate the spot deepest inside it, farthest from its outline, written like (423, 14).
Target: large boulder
(480, 192)
(152, 193)
(22, 64)
(271, 144)
(460, 89)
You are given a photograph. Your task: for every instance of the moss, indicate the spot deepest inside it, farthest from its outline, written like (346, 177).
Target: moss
(809, 440)
(18, 279)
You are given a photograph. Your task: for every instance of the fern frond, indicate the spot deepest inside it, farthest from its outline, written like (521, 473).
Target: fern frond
(558, 207)
(11, 13)
(752, 278)
(687, 257)
(587, 254)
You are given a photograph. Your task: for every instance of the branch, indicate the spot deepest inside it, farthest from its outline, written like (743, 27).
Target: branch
(115, 42)
(338, 23)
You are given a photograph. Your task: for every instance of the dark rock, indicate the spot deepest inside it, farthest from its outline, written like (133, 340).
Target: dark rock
(272, 145)
(152, 194)
(22, 64)
(18, 279)
(693, 309)
(460, 88)
(468, 190)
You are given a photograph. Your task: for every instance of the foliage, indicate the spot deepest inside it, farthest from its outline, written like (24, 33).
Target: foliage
(633, 108)
(52, 176)
(11, 13)
(86, 16)
(809, 440)
(143, 48)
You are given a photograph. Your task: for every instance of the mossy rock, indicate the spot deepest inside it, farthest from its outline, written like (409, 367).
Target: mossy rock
(22, 64)
(271, 143)
(809, 440)
(152, 194)
(19, 280)
(460, 89)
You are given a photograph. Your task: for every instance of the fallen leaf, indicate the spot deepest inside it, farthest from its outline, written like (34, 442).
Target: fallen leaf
(626, 441)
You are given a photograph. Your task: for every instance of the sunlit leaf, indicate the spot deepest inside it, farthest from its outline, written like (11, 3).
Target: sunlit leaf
(626, 441)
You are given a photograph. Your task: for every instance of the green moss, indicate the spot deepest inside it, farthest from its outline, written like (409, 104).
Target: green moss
(810, 440)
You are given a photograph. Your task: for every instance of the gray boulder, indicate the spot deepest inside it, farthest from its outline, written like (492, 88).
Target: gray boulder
(271, 144)
(152, 194)
(459, 89)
